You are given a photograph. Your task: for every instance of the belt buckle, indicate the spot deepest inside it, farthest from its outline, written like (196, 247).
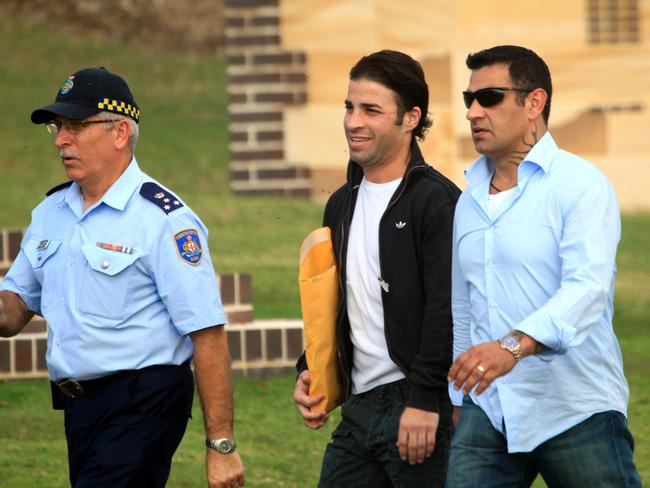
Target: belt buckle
(71, 388)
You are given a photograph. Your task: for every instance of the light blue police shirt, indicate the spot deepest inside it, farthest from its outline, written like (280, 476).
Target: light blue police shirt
(120, 284)
(543, 264)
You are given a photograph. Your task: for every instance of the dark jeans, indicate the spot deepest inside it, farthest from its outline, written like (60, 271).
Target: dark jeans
(125, 434)
(595, 453)
(363, 450)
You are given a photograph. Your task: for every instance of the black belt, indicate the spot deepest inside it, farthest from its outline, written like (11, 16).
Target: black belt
(75, 389)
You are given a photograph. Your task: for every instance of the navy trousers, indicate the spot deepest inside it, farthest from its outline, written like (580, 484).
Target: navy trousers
(125, 434)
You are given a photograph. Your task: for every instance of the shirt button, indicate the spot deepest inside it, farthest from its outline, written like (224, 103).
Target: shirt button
(39, 257)
(104, 264)
(491, 264)
(493, 304)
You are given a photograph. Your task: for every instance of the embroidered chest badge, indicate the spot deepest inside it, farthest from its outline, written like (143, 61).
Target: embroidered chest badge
(188, 246)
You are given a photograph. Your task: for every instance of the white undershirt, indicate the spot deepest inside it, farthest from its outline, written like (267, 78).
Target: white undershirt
(495, 201)
(372, 365)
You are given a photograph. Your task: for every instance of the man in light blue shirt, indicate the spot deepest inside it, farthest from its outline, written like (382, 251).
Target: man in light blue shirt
(535, 355)
(120, 269)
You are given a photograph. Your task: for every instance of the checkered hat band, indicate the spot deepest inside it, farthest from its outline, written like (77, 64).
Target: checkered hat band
(119, 107)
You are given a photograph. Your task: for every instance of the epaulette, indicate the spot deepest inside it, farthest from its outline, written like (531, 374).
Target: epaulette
(167, 201)
(58, 187)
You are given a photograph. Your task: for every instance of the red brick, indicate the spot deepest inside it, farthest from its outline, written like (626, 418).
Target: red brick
(275, 135)
(256, 117)
(227, 289)
(265, 21)
(240, 175)
(274, 97)
(15, 237)
(5, 364)
(262, 41)
(35, 325)
(41, 349)
(234, 343)
(239, 137)
(253, 344)
(279, 58)
(256, 155)
(254, 78)
(240, 317)
(294, 343)
(234, 22)
(245, 288)
(274, 344)
(246, 4)
(23, 355)
(237, 98)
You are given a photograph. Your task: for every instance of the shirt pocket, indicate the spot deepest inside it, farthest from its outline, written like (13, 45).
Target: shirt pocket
(39, 253)
(105, 284)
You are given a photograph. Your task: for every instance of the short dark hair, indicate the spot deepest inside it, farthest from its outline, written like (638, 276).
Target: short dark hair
(404, 76)
(526, 69)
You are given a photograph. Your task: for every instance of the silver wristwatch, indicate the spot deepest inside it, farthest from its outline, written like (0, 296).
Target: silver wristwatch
(222, 446)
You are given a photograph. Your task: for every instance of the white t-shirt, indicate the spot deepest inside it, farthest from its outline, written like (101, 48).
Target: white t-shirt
(372, 365)
(496, 200)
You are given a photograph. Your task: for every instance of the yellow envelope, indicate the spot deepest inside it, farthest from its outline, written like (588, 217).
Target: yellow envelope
(319, 297)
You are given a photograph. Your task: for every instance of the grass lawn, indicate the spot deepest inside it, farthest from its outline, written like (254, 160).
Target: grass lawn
(184, 144)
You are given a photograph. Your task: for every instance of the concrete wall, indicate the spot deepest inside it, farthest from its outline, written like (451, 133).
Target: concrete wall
(600, 104)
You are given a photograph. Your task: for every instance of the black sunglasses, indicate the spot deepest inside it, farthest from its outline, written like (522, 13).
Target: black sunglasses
(488, 97)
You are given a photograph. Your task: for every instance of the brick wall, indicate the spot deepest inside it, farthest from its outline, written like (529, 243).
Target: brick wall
(262, 80)
(257, 348)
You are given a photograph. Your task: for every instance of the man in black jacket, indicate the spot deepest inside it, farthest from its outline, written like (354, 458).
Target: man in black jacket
(392, 229)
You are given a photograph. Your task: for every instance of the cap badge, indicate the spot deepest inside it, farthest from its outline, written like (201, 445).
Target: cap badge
(67, 86)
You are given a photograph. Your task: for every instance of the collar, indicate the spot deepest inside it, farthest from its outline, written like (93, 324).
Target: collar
(541, 155)
(117, 195)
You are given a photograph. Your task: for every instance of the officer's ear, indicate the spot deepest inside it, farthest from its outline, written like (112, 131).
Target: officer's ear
(122, 134)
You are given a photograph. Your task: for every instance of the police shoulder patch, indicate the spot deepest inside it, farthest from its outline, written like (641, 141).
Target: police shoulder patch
(188, 246)
(58, 187)
(165, 200)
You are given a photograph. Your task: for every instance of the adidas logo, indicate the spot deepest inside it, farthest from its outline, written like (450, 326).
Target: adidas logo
(400, 224)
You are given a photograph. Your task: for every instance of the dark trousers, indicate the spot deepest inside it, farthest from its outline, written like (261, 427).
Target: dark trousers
(363, 450)
(125, 434)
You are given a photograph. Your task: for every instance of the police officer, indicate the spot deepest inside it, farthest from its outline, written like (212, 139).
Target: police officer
(120, 269)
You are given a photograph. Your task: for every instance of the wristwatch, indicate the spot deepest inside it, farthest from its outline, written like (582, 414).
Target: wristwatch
(511, 344)
(222, 446)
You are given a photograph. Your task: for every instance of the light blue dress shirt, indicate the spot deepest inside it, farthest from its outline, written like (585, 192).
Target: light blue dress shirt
(111, 281)
(543, 264)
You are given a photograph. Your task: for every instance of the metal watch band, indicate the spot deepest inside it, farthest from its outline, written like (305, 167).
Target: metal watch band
(223, 446)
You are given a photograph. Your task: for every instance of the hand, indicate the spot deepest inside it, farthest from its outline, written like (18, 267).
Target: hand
(304, 402)
(224, 470)
(416, 438)
(480, 365)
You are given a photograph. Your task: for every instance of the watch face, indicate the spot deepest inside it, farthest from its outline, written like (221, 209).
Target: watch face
(510, 342)
(225, 446)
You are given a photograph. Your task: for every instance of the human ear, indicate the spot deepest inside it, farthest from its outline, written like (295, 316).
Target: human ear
(536, 102)
(122, 133)
(412, 118)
